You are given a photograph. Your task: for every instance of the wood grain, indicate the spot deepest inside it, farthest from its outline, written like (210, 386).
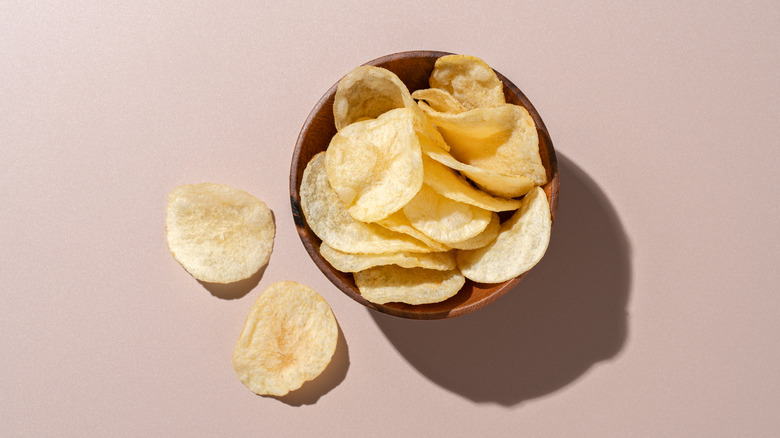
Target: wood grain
(413, 68)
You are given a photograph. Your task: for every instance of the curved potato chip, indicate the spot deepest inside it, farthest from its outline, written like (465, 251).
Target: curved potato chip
(482, 239)
(453, 186)
(521, 243)
(495, 183)
(219, 234)
(384, 284)
(368, 92)
(346, 262)
(333, 224)
(375, 166)
(443, 219)
(500, 138)
(439, 100)
(289, 338)
(469, 80)
(398, 222)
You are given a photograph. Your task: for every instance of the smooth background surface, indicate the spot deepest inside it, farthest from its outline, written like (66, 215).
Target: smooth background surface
(655, 312)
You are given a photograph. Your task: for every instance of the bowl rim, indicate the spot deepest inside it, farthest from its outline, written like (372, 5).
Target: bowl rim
(342, 282)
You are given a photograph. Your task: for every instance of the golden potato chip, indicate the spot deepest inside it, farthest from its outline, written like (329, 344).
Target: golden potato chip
(219, 234)
(443, 219)
(453, 186)
(469, 80)
(345, 262)
(398, 222)
(439, 100)
(330, 221)
(368, 92)
(492, 182)
(375, 166)
(289, 338)
(487, 236)
(500, 138)
(391, 283)
(521, 243)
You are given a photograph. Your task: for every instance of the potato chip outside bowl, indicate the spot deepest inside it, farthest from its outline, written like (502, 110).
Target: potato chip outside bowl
(414, 69)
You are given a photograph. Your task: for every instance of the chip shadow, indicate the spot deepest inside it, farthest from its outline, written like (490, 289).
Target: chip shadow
(568, 314)
(235, 290)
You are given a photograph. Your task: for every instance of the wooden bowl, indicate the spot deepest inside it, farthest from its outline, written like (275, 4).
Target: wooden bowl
(414, 68)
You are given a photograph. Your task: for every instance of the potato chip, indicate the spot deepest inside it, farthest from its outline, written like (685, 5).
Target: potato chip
(345, 262)
(439, 100)
(500, 138)
(330, 221)
(469, 80)
(219, 234)
(375, 166)
(453, 186)
(398, 222)
(384, 284)
(443, 219)
(492, 182)
(521, 243)
(487, 236)
(368, 92)
(289, 338)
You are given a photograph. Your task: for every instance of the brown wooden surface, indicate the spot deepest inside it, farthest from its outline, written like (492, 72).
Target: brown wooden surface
(414, 69)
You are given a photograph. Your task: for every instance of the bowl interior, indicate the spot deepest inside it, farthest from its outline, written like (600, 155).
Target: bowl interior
(414, 69)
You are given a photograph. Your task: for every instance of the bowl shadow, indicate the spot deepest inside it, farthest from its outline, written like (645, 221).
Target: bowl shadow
(569, 313)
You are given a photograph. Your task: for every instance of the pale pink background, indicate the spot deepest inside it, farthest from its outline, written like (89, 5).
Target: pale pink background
(655, 312)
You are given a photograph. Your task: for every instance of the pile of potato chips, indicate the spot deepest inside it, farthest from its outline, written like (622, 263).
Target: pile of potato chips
(407, 195)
